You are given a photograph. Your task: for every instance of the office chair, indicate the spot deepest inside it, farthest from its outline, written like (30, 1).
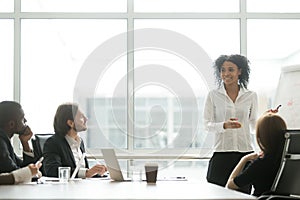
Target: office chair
(38, 142)
(287, 182)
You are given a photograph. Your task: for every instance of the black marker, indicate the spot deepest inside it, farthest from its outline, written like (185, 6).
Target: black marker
(278, 107)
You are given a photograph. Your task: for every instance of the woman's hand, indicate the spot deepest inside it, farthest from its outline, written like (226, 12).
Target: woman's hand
(251, 157)
(273, 110)
(232, 123)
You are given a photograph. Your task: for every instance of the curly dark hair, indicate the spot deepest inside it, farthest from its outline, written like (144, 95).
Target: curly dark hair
(242, 63)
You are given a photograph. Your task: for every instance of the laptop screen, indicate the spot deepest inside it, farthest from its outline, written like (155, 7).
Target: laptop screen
(112, 164)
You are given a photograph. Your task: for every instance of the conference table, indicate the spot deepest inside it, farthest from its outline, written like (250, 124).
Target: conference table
(106, 189)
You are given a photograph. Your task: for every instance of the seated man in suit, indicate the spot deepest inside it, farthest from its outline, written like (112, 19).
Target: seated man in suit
(65, 147)
(12, 121)
(20, 175)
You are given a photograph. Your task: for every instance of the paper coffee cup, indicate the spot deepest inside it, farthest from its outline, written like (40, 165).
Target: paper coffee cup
(151, 172)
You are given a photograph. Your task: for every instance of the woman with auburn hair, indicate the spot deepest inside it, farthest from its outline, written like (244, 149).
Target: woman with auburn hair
(262, 170)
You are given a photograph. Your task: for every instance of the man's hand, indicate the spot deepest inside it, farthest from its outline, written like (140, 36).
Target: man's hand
(24, 138)
(35, 169)
(97, 169)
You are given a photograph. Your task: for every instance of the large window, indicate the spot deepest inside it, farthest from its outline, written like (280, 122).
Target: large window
(140, 69)
(273, 6)
(272, 44)
(54, 53)
(74, 6)
(200, 6)
(170, 86)
(6, 59)
(6, 6)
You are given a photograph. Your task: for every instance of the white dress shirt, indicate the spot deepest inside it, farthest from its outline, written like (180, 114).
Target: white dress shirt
(22, 175)
(220, 108)
(75, 147)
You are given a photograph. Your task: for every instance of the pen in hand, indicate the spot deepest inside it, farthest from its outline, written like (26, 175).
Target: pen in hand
(275, 110)
(278, 107)
(39, 161)
(34, 168)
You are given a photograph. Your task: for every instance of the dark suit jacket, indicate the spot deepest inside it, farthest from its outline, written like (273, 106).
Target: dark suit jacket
(9, 161)
(7, 179)
(57, 153)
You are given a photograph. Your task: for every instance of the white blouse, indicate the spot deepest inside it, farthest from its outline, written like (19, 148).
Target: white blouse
(22, 175)
(220, 108)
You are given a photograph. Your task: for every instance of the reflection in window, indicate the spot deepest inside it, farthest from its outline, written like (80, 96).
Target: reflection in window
(107, 122)
(169, 96)
(168, 122)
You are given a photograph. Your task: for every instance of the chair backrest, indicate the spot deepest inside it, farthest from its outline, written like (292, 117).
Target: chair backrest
(287, 180)
(38, 143)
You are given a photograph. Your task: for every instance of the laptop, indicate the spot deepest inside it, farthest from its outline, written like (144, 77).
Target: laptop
(115, 172)
(112, 165)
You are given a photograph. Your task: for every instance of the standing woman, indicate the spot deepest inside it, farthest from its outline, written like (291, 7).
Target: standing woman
(230, 112)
